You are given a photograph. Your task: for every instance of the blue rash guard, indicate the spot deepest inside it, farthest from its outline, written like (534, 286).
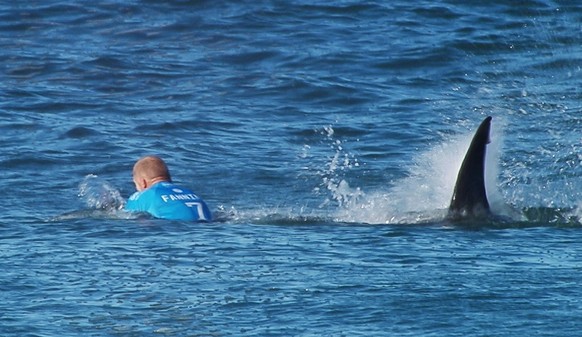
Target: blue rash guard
(165, 200)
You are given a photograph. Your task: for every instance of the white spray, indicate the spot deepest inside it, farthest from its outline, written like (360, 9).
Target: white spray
(425, 193)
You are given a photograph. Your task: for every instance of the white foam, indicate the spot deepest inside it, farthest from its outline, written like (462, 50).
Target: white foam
(424, 195)
(100, 194)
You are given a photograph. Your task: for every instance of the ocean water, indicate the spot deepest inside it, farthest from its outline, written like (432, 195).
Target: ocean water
(325, 136)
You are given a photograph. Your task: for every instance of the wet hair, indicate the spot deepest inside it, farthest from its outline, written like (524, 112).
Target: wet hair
(151, 167)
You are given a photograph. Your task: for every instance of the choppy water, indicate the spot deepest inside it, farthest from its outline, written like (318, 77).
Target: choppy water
(325, 136)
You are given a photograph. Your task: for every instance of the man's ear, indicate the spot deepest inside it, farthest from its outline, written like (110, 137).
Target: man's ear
(143, 183)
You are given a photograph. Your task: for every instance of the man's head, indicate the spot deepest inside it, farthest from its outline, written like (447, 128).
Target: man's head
(148, 171)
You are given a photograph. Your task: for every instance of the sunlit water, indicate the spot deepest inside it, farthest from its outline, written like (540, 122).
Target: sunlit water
(325, 137)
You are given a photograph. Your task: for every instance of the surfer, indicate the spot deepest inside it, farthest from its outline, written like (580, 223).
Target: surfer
(158, 196)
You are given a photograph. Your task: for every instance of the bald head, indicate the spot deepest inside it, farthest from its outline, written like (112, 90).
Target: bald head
(148, 171)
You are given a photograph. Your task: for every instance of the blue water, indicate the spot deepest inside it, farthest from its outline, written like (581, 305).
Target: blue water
(325, 136)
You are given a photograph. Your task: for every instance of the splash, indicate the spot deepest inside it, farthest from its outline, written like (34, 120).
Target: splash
(103, 201)
(100, 194)
(333, 172)
(425, 193)
(576, 213)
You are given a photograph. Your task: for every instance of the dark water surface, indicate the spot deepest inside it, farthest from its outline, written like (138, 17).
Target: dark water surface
(325, 136)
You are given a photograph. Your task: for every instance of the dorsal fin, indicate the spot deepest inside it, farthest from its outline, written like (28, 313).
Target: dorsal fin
(469, 197)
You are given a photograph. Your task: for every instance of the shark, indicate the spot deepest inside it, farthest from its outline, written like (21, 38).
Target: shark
(469, 200)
